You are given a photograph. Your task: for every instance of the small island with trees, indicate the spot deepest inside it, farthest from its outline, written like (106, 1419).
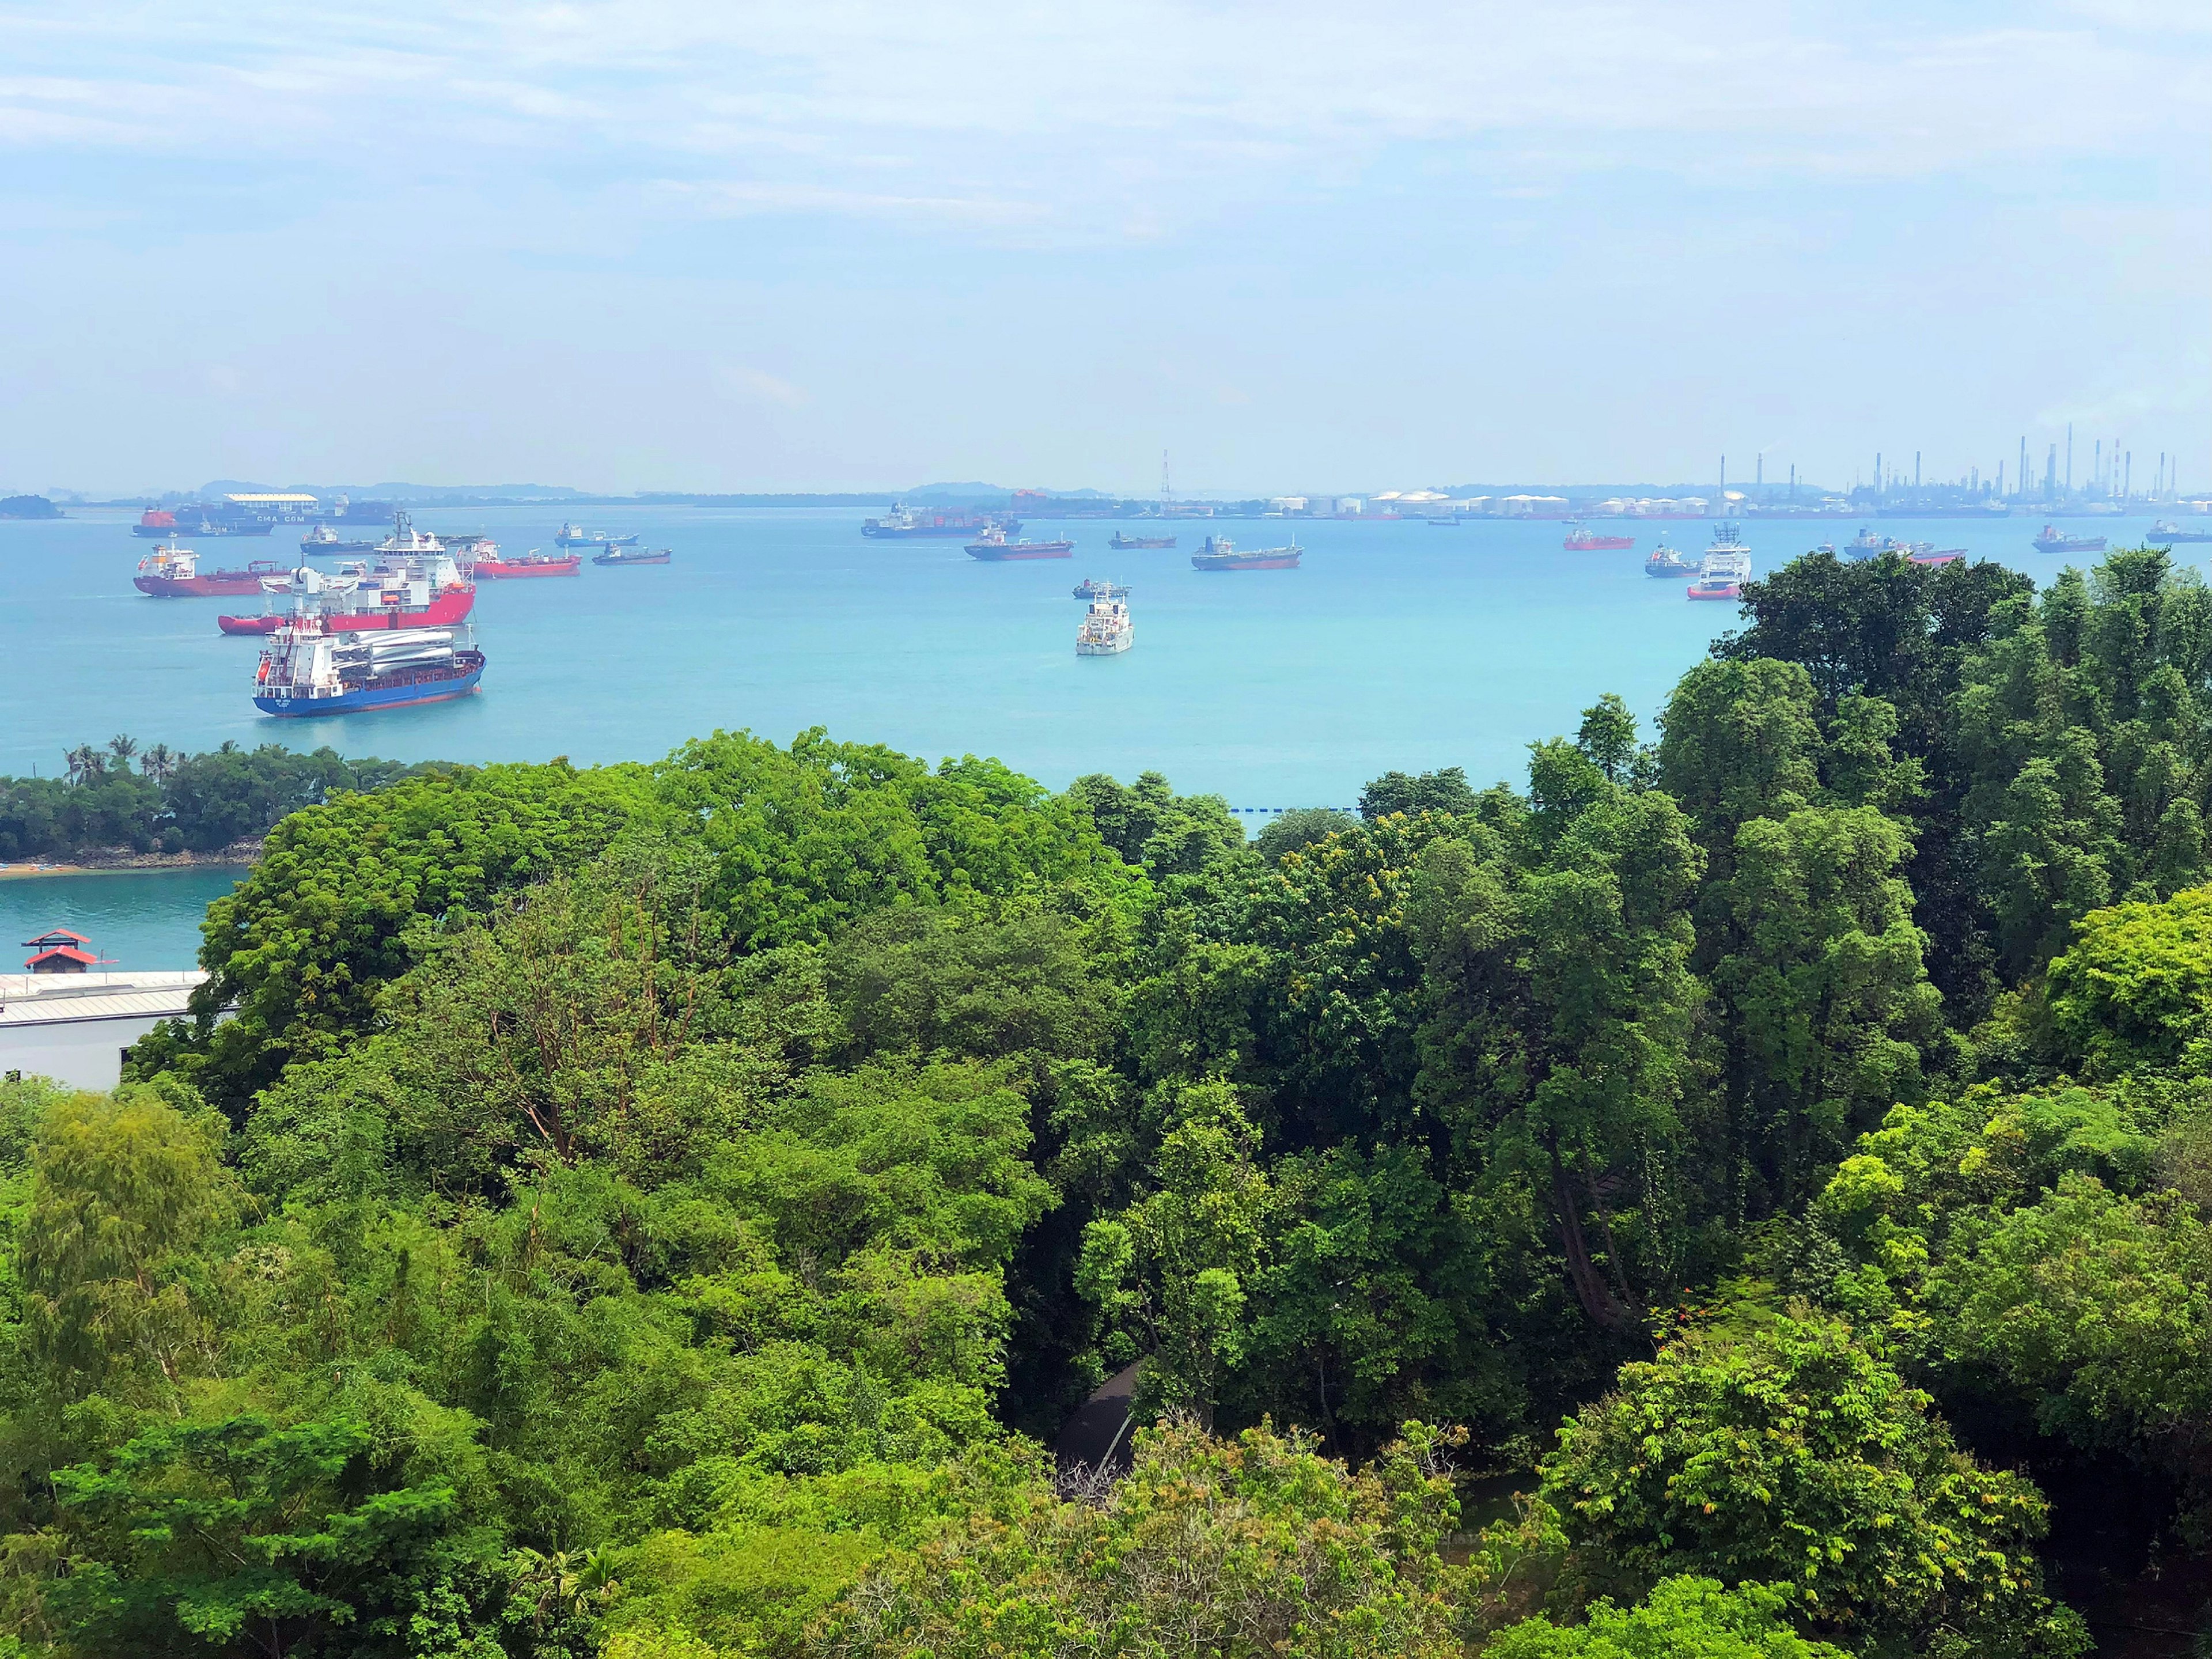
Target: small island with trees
(1742, 1190)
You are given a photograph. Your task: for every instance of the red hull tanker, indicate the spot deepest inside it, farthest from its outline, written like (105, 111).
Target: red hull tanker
(174, 572)
(530, 564)
(1580, 540)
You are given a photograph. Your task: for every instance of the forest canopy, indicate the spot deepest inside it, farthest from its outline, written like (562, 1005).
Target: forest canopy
(1743, 1187)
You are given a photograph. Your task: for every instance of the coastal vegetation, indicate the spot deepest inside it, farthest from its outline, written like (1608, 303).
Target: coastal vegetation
(116, 798)
(669, 1209)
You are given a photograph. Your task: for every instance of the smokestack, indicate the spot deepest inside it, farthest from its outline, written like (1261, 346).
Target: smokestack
(2128, 477)
(2022, 474)
(1879, 482)
(2069, 458)
(1916, 469)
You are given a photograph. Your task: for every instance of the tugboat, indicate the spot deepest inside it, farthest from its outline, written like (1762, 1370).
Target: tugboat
(1106, 629)
(170, 572)
(2166, 532)
(1581, 539)
(1091, 588)
(2051, 541)
(488, 566)
(903, 523)
(994, 547)
(576, 535)
(1219, 553)
(1666, 561)
(305, 670)
(323, 539)
(633, 556)
(1122, 543)
(403, 593)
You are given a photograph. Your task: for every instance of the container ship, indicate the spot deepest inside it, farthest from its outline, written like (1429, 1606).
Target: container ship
(2052, 541)
(420, 592)
(174, 572)
(633, 556)
(903, 523)
(574, 535)
(1106, 629)
(305, 671)
(1582, 540)
(992, 545)
(488, 566)
(1219, 553)
(161, 523)
(1122, 544)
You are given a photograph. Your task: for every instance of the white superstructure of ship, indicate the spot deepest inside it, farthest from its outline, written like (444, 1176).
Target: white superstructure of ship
(1106, 628)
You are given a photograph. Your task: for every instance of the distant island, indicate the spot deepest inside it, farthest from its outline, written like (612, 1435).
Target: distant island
(27, 506)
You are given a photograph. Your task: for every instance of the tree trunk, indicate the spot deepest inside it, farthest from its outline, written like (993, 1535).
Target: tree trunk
(1604, 1307)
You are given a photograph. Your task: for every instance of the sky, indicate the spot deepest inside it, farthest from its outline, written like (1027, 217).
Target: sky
(1298, 246)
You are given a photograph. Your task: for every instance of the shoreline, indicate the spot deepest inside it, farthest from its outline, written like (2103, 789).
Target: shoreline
(238, 855)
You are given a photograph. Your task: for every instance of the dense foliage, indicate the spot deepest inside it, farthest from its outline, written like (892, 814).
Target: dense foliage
(168, 802)
(666, 1209)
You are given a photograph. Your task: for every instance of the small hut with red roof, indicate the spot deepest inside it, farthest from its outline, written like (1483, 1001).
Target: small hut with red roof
(61, 952)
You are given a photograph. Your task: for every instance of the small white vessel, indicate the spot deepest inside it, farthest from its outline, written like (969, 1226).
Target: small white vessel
(1106, 628)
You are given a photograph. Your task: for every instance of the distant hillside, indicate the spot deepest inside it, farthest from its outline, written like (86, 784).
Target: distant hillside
(440, 493)
(27, 506)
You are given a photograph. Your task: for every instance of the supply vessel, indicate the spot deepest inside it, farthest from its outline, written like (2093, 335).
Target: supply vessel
(1219, 553)
(1666, 561)
(1106, 629)
(307, 671)
(1582, 539)
(992, 545)
(1122, 541)
(421, 590)
(323, 539)
(1726, 568)
(2053, 541)
(170, 572)
(903, 523)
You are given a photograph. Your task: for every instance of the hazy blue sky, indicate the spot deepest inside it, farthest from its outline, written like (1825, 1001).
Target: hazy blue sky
(866, 243)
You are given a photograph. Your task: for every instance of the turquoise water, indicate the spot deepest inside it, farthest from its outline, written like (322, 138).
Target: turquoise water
(1397, 645)
(141, 918)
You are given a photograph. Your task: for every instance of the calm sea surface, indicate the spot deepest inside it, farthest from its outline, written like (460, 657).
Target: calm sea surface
(1394, 645)
(142, 918)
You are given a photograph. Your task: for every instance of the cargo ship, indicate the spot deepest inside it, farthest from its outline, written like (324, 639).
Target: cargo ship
(174, 572)
(1122, 544)
(573, 535)
(488, 566)
(161, 522)
(1219, 553)
(323, 539)
(2166, 532)
(1582, 540)
(1106, 629)
(1666, 561)
(426, 592)
(903, 523)
(633, 556)
(1091, 588)
(308, 671)
(1929, 553)
(2052, 541)
(992, 545)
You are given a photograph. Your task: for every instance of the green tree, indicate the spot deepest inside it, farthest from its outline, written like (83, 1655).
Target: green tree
(1786, 1454)
(1681, 1619)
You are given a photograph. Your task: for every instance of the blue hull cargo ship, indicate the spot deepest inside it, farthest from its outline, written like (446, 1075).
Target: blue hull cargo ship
(307, 672)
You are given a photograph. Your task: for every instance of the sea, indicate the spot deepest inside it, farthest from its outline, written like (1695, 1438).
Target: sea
(1394, 645)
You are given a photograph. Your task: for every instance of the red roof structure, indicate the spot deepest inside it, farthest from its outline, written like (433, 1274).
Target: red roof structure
(61, 952)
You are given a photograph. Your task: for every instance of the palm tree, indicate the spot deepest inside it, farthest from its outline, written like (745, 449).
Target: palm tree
(86, 764)
(123, 748)
(160, 762)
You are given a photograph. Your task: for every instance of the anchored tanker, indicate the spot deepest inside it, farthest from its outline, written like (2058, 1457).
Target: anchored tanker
(1219, 553)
